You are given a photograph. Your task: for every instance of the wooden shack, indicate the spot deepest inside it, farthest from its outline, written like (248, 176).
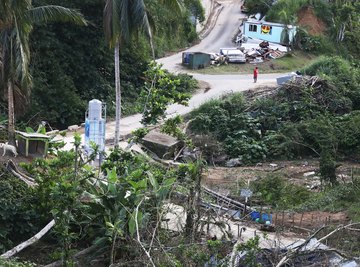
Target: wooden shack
(32, 144)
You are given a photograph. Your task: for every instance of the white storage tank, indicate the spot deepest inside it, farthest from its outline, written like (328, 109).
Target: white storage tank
(95, 109)
(95, 122)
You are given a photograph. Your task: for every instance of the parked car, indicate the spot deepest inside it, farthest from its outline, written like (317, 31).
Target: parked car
(233, 54)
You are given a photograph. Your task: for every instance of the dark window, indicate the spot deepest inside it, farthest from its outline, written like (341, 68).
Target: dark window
(252, 28)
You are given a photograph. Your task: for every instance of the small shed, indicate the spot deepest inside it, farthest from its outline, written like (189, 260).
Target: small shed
(34, 144)
(196, 60)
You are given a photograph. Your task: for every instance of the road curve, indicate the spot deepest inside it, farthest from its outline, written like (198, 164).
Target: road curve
(226, 26)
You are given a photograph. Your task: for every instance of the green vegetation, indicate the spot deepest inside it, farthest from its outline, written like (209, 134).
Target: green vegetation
(288, 63)
(252, 249)
(107, 209)
(119, 210)
(343, 196)
(162, 89)
(71, 65)
(15, 263)
(307, 119)
(315, 116)
(18, 218)
(17, 22)
(274, 190)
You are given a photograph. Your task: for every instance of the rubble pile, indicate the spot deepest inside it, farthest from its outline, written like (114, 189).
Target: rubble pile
(256, 52)
(262, 53)
(218, 59)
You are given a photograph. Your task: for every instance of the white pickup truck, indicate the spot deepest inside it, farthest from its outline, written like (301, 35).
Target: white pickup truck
(233, 54)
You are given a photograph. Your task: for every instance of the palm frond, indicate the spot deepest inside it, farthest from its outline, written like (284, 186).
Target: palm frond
(21, 53)
(122, 18)
(142, 20)
(175, 5)
(127, 18)
(50, 13)
(112, 21)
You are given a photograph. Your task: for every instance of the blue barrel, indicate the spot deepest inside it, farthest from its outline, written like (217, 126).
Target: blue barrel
(254, 215)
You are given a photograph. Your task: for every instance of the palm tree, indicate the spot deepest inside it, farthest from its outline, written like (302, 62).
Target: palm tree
(17, 19)
(287, 20)
(123, 18)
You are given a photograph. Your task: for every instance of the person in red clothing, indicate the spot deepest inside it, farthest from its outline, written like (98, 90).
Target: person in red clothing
(256, 72)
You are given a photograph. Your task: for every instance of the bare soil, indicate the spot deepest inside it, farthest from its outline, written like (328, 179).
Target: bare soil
(311, 220)
(297, 172)
(310, 21)
(16, 160)
(229, 181)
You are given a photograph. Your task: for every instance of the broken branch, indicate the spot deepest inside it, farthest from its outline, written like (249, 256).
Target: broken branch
(28, 242)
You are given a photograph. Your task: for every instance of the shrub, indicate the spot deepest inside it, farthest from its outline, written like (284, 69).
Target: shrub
(348, 132)
(274, 190)
(338, 198)
(18, 219)
(214, 120)
(316, 44)
(187, 84)
(246, 148)
(209, 146)
(341, 73)
(15, 263)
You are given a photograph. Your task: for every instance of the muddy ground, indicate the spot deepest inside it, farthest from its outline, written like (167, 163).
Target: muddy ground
(229, 181)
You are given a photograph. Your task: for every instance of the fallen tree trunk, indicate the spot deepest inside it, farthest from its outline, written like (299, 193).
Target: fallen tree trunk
(75, 257)
(12, 168)
(28, 242)
(234, 202)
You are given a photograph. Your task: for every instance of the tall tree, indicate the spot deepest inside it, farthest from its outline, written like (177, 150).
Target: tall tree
(288, 21)
(17, 19)
(256, 6)
(122, 18)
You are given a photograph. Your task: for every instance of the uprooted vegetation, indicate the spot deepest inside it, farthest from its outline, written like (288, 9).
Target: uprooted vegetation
(311, 115)
(314, 117)
(122, 214)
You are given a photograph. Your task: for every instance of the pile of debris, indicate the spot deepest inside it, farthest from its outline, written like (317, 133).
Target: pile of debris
(218, 59)
(253, 51)
(262, 52)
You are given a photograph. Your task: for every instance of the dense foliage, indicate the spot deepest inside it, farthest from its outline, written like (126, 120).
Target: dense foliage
(110, 209)
(71, 65)
(341, 20)
(18, 218)
(119, 209)
(161, 90)
(305, 118)
(275, 191)
(15, 263)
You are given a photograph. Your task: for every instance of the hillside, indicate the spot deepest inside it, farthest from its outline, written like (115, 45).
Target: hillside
(252, 174)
